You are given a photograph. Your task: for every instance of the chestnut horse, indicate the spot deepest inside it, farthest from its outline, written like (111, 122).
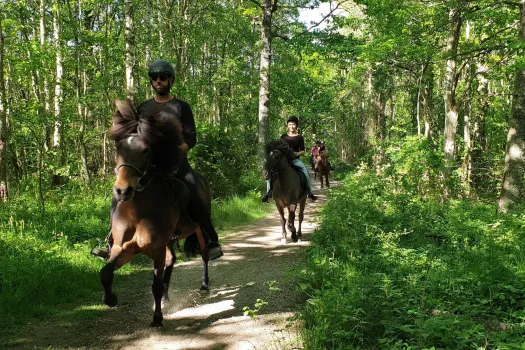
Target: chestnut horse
(323, 168)
(288, 191)
(148, 212)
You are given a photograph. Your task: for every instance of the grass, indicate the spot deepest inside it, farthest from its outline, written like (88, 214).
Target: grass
(45, 263)
(394, 271)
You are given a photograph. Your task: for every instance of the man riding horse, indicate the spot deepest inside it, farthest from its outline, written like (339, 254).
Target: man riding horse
(296, 143)
(162, 76)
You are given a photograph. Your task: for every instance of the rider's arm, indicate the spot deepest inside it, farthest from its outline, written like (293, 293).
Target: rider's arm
(302, 149)
(188, 127)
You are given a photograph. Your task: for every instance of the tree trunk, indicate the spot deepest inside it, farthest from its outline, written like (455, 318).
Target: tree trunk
(451, 118)
(467, 161)
(512, 184)
(57, 140)
(478, 130)
(129, 39)
(428, 82)
(264, 75)
(3, 123)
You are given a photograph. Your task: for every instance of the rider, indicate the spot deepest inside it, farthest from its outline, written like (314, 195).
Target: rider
(296, 143)
(322, 148)
(162, 76)
(313, 154)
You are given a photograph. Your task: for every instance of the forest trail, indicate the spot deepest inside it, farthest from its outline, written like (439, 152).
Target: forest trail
(254, 261)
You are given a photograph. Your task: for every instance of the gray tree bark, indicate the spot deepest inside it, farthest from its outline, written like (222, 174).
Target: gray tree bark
(129, 39)
(264, 73)
(451, 110)
(512, 183)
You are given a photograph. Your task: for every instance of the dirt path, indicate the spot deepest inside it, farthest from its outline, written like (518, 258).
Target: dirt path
(254, 260)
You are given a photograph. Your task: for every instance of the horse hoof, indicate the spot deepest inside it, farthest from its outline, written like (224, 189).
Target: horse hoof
(110, 300)
(157, 320)
(157, 324)
(294, 239)
(205, 287)
(283, 240)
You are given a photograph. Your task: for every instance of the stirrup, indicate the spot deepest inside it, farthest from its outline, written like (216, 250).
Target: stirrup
(266, 198)
(215, 251)
(102, 253)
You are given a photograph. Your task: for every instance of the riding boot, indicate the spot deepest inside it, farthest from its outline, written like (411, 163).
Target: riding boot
(103, 253)
(266, 197)
(210, 235)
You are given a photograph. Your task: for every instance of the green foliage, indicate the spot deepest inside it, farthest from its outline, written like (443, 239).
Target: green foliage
(227, 160)
(414, 165)
(389, 269)
(255, 311)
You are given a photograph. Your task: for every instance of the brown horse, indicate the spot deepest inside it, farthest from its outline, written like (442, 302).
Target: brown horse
(288, 191)
(323, 168)
(148, 213)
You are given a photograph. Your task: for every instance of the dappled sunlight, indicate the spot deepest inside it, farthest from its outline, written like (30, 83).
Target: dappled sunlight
(203, 311)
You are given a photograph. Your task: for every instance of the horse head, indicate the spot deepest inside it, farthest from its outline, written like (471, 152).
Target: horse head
(142, 141)
(133, 162)
(278, 156)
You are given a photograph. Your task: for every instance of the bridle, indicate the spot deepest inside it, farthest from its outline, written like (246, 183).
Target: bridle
(276, 171)
(145, 175)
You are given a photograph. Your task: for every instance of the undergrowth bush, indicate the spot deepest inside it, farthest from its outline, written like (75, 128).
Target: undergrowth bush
(391, 270)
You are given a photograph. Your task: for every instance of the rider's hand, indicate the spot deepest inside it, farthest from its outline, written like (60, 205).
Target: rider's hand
(184, 147)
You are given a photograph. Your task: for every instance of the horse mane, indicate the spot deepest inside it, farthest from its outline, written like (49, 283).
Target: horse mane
(156, 128)
(281, 146)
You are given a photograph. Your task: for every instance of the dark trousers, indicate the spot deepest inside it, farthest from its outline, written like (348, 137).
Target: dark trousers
(197, 208)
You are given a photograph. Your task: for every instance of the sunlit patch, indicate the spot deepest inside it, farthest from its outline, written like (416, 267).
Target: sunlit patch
(96, 307)
(204, 311)
(515, 152)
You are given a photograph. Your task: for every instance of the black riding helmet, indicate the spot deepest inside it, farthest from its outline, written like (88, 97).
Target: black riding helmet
(293, 119)
(161, 67)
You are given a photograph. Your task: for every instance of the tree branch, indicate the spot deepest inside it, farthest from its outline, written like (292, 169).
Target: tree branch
(257, 3)
(329, 14)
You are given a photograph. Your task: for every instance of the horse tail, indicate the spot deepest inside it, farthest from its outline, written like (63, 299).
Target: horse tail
(191, 246)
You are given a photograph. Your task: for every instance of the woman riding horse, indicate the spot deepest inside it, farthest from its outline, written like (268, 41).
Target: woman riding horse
(296, 143)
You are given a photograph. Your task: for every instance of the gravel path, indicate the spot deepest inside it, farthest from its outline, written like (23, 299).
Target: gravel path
(254, 261)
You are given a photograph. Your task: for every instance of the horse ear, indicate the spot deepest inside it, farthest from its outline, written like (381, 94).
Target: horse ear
(125, 109)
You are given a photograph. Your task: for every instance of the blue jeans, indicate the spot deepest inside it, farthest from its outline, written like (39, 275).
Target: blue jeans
(298, 163)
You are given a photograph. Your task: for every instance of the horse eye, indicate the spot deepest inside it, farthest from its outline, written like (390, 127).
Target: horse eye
(146, 151)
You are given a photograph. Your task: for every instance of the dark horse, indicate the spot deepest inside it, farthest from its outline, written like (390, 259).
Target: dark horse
(288, 191)
(148, 212)
(323, 168)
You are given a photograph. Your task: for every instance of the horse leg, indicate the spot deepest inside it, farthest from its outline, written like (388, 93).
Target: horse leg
(168, 269)
(327, 182)
(205, 259)
(283, 223)
(158, 288)
(118, 257)
(188, 230)
(301, 217)
(291, 221)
